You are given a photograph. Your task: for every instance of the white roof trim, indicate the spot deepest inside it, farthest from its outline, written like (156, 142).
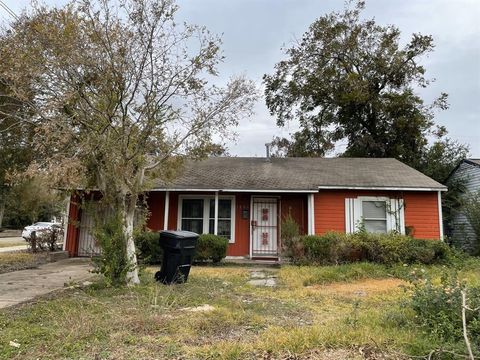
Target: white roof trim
(243, 190)
(337, 187)
(323, 187)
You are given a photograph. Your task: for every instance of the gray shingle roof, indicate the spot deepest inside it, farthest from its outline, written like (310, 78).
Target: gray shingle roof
(474, 161)
(253, 173)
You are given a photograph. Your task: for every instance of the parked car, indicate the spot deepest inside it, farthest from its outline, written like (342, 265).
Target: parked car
(39, 227)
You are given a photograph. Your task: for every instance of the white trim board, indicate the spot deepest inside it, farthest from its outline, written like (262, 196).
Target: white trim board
(440, 215)
(311, 214)
(309, 191)
(266, 191)
(66, 220)
(166, 210)
(335, 187)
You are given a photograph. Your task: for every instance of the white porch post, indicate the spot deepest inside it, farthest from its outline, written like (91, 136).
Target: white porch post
(167, 207)
(215, 221)
(311, 214)
(440, 215)
(66, 219)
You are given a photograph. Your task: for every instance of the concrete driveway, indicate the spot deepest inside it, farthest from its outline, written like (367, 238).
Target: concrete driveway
(19, 286)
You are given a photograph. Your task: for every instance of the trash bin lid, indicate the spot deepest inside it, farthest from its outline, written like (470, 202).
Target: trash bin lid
(180, 234)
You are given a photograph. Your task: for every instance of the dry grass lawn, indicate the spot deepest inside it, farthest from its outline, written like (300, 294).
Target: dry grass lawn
(8, 243)
(13, 261)
(313, 313)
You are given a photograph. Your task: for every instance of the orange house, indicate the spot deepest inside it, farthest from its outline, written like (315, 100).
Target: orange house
(246, 199)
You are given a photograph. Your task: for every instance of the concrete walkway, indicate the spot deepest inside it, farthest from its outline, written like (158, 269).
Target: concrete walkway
(263, 277)
(19, 286)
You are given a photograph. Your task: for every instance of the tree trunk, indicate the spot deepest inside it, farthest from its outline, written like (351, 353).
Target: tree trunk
(2, 209)
(129, 215)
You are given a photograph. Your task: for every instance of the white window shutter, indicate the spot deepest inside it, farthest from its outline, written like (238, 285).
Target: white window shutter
(349, 218)
(396, 216)
(353, 215)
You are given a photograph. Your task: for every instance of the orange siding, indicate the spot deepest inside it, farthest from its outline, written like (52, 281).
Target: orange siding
(421, 210)
(173, 211)
(421, 213)
(156, 208)
(296, 205)
(241, 246)
(329, 210)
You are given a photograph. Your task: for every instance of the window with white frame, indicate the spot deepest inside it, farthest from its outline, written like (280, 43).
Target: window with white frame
(192, 215)
(224, 218)
(197, 214)
(374, 214)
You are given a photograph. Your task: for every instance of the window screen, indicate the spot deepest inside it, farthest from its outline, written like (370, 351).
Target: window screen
(374, 215)
(224, 217)
(192, 215)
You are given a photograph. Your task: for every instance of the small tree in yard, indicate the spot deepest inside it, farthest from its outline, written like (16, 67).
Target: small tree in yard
(121, 95)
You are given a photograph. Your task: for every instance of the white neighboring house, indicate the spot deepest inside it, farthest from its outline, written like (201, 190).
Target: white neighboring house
(461, 233)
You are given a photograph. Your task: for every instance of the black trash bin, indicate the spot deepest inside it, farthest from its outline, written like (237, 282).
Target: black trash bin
(178, 251)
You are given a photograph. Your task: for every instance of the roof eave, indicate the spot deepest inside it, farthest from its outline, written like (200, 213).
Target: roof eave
(389, 188)
(239, 190)
(310, 191)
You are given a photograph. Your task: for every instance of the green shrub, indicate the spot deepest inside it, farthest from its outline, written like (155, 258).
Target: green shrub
(148, 247)
(438, 307)
(392, 248)
(45, 240)
(290, 233)
(321, 249)
(211, 248)
(113, 262)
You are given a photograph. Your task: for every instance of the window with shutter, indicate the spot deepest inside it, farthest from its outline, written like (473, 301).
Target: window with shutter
(375, 214)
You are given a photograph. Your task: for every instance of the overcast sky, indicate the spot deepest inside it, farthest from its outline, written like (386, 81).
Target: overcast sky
(255, 30)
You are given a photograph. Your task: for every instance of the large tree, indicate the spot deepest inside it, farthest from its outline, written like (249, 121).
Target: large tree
(349, 81)
(122, 93)
(16, 149)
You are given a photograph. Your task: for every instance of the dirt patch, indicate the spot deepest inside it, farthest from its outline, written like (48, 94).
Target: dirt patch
(358, 353)
(360, 288)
